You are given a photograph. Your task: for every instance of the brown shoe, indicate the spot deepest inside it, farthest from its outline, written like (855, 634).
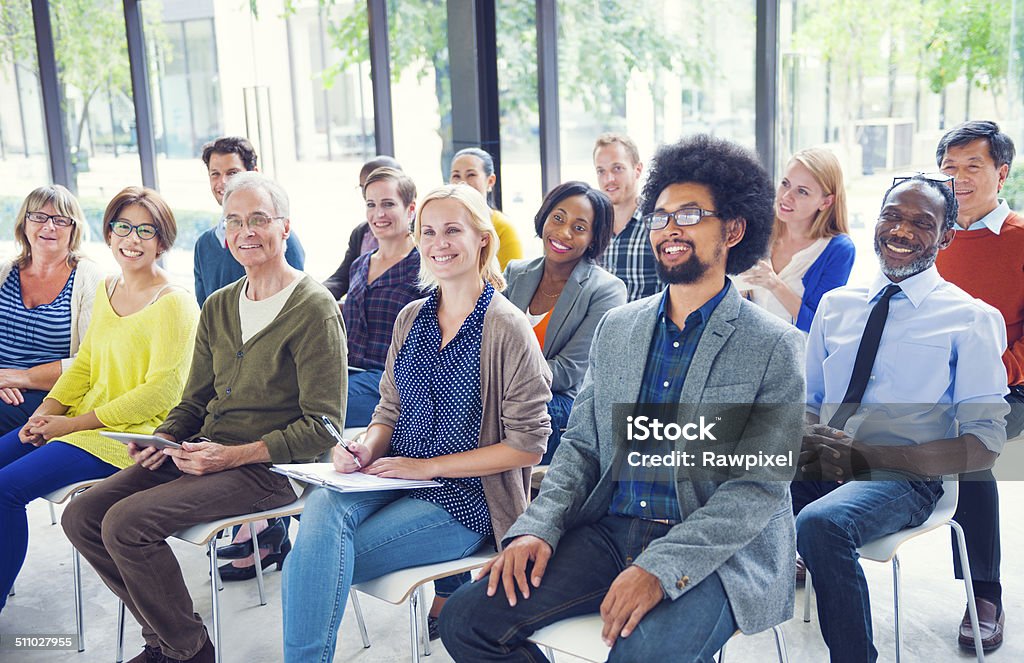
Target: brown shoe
(801, 572)
(204, 655)
(149, 655)
(990, 624)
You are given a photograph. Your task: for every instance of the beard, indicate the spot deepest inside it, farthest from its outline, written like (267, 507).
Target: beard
(691, 271)
(899, 272)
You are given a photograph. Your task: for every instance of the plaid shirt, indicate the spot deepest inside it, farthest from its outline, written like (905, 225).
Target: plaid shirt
(648, 492)
(630, 257)
(370, 309)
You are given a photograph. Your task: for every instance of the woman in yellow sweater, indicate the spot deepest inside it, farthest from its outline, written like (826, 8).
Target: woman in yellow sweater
(128, 374)
(475, 167)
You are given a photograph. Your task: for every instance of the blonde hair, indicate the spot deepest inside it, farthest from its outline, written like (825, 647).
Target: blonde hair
(610, 138)
(479, 220)
(827, 172)
(66, 205)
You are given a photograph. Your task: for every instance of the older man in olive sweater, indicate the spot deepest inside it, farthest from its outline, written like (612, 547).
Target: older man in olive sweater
(269, 365)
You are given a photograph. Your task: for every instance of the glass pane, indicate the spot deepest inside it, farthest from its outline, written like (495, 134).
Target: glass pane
(676, 68)
(880, 94)
(517, 99)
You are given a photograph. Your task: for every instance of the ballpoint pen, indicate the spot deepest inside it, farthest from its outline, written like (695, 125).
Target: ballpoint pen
(341, 441)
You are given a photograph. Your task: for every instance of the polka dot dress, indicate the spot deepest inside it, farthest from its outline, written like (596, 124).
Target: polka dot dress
(440, 408)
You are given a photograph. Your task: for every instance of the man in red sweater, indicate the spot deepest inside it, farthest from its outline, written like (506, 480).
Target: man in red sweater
(987, 260)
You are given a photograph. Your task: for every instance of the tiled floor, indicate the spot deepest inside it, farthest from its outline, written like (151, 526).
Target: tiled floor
(933, 604)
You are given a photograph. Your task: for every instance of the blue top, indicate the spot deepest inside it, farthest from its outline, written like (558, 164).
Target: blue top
(215, 267)
(33, 336)
(830, 271)
(370, 309)
(650, 493)
(939, 363)
(440, 408)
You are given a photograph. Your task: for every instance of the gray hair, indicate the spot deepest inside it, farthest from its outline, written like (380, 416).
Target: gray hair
(256, 181)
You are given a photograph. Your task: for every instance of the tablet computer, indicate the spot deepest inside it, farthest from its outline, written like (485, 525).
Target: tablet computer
(141, 440)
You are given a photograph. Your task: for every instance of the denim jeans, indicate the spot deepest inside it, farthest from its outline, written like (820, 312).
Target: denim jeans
(476, 628)
(559, 408)
(28, 472)
(16, 416)
(363, 396)
(828, 532)
(347, 538)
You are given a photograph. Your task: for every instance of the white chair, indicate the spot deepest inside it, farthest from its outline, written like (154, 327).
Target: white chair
(205, 534)
(59, 496)
(581, 637)
(407, 585)
(886, 549)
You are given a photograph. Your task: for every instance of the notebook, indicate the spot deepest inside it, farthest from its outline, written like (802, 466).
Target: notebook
(324, 474)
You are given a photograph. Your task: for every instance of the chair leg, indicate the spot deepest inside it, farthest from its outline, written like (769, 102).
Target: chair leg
(414, 626)
(972, 606)
(214, 599)
(77, 574)
(120, 631)
(354, 595)
(424, 626)
(780, 644)
(808, 593)
(53, 514)
(896, 607)
(258, 562)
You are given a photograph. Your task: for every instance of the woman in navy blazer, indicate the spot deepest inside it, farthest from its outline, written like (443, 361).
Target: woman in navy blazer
(565, 293)
(811, 250)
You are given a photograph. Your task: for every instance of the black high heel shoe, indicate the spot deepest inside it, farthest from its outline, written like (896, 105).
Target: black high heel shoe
(272, 538)
(229, 573)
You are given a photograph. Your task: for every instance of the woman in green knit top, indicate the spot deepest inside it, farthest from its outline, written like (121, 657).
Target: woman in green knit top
(128, 374)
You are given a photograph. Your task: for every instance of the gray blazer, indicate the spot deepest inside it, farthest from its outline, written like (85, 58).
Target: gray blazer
(739, 528)
(589, 294)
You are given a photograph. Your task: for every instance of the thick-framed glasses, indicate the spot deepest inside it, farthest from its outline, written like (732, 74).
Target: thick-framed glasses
(143, 230)
(255, 221)
(941, 178)
(687, 216)
(42, 217)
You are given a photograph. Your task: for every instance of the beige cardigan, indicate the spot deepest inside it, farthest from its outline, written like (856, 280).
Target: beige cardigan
(515, 387)
(83, 292)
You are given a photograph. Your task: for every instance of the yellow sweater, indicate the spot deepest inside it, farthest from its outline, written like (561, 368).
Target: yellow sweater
(509, 247)
(130, 370)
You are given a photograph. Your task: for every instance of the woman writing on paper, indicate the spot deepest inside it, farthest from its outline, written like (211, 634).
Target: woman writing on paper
(463, 401)
(129, 372)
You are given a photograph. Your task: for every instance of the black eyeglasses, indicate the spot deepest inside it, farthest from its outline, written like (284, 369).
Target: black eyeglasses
(941, 178)
(143, 230)
(43, 217)
(687, 216)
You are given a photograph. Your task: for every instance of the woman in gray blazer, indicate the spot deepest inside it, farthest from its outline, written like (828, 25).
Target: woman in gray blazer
(565, 293)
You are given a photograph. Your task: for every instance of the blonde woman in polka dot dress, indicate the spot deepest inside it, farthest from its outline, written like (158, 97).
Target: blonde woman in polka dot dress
(463, 401)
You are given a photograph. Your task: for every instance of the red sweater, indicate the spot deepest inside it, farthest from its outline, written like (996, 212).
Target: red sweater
(991, 268)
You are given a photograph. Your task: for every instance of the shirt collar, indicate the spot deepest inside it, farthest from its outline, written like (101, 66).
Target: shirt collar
(994, 219)
(221, 231)
(916, 287)
(704, 312)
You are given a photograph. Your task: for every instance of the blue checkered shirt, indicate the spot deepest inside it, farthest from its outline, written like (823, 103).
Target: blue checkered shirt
(645, 492)
(630, 257)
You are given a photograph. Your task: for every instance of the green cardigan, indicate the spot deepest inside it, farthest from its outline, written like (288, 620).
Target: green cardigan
(273, 388)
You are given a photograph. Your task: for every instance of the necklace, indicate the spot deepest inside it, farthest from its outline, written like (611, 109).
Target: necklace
(550, 295)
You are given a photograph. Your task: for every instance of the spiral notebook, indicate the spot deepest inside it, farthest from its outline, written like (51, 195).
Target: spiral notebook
(324, 474)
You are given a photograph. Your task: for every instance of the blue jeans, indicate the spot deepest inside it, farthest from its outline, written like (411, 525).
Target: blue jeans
(559, 408)
(28, 472)
(476, 628)
(16, 416)
(347, 538)
(829, 530)
(363, 396)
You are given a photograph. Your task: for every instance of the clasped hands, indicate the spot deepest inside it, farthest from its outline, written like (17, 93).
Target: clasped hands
(41, 428)
(387, 467)
(762, 274)
(632, 594)
(829, 454)
(198, 458)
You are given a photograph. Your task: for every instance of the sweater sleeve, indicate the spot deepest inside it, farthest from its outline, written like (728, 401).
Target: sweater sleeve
(830, 271)
(166, 352)
(321, 371)
(294, 253)
(197, 272)
(526, 389)
(509, 246)
(338, 281)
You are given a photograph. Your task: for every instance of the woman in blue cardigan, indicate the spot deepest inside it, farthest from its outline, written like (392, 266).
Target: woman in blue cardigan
(812, 252)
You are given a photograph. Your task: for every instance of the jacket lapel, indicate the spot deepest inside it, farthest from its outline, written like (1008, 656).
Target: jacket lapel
(636, 347)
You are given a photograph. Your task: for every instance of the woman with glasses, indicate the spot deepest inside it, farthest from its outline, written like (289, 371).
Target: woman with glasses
(128, 374)
(812, 252)
(46, 297)
(564, 293)
(463, 402)
(475, 167)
